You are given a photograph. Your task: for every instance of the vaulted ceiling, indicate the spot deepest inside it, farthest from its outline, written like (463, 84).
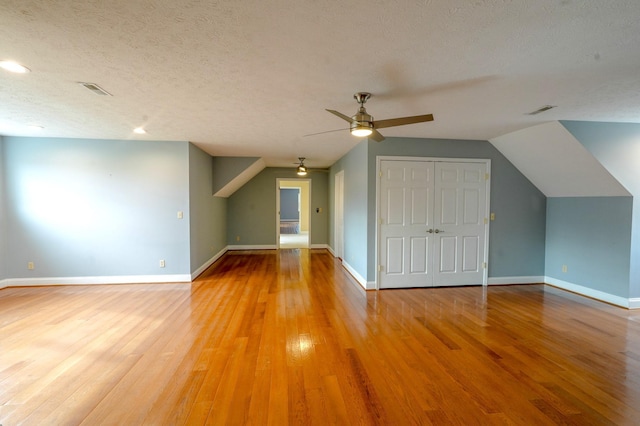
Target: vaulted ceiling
(252, 78)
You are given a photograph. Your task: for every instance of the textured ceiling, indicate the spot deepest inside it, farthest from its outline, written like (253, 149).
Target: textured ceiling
(251, 78)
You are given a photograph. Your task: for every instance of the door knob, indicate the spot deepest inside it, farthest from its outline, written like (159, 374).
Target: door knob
(437, 231)
(430, 231)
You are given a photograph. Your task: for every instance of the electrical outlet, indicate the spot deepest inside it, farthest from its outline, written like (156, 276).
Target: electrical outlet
(493, 216)
(237, 237)
(31, 266)
(162, 263)
(564, 268)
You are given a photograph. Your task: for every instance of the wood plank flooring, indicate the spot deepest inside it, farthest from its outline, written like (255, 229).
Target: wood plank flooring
(287, 337)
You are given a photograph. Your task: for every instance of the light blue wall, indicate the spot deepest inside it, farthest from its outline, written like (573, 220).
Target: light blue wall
(617, 147)
(356, 180)
(516, 246)
(596, 252)
(289, 204)
(208, 218)
(3, 222)
(80, 207)
(251, 210)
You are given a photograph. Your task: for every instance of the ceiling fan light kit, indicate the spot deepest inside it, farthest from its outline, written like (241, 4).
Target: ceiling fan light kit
(301, 170)
(362, 124)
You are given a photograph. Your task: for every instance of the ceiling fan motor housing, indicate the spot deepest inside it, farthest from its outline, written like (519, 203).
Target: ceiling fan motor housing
(362, 120)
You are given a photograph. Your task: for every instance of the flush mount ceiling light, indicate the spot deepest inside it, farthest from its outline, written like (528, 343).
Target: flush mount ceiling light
(139, 131)
(301, 170)
(13, 66)
(361, 129)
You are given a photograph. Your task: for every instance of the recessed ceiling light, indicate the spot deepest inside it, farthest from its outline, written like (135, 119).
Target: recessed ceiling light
(139, 131)
(13, 66)
(34, 126)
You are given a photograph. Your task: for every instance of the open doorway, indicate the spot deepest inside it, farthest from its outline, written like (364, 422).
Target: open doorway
(293, 203)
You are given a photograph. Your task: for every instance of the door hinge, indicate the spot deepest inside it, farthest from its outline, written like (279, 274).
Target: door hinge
(380, 174)
(381, 221)
(484, 265)
(379, 268)
(486, 176)
(486, 221)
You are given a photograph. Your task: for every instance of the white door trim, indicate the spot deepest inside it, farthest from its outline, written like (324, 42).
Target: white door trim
(304, 209)
(485, 161)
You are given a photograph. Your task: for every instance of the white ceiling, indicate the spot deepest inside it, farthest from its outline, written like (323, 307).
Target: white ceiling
(251, 78)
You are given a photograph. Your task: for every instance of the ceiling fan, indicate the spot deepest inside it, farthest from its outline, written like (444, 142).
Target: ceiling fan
(303, 170)
(363, 124)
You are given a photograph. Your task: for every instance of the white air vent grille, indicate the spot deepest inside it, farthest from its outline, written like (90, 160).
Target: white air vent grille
(96, 89)
(541, 109)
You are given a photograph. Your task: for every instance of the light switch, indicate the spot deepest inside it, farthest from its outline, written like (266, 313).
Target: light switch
(179, 215)
(493, 216)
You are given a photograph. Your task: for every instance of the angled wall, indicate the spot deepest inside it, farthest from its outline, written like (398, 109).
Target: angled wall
(578, 166)
(233, 172)
(617, 147)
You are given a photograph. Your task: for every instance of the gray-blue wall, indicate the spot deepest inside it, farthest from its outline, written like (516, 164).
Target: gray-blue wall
(79, 208)
(595, 251)
(208, 218)
(617, 147)
(3, 214)
(251, 210)
(517, 236)
(289, 204)
(357, 245)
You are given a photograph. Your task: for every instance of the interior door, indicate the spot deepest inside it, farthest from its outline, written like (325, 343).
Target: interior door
(405, 218)
(433, 223)
(459, 223)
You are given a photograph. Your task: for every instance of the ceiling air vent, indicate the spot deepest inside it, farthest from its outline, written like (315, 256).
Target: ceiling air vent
(95, 89)
(542, 109)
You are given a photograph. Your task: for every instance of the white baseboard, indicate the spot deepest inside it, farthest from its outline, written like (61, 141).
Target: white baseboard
(115, 279)
(367, 285)
(634, 303)
(333, 253)
(515, 280)
(208, 263)
(319, 246)
(594, 294)
(255, 247)
(4, 284)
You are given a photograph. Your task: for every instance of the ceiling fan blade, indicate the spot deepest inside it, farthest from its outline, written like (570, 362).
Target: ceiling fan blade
(327, 131)
(376, 136)
(401, 121)
(341, 115)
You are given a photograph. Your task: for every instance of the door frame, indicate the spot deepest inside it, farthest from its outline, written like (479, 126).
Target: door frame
(485, 161)
(304, 209)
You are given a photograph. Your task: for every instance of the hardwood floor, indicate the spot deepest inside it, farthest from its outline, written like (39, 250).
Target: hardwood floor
(287, 337)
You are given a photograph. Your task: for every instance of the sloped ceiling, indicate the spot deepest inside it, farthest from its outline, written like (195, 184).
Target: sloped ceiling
(557, 163)
(252, 77)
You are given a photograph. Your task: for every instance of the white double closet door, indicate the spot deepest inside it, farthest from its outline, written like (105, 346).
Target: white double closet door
(433, 222)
